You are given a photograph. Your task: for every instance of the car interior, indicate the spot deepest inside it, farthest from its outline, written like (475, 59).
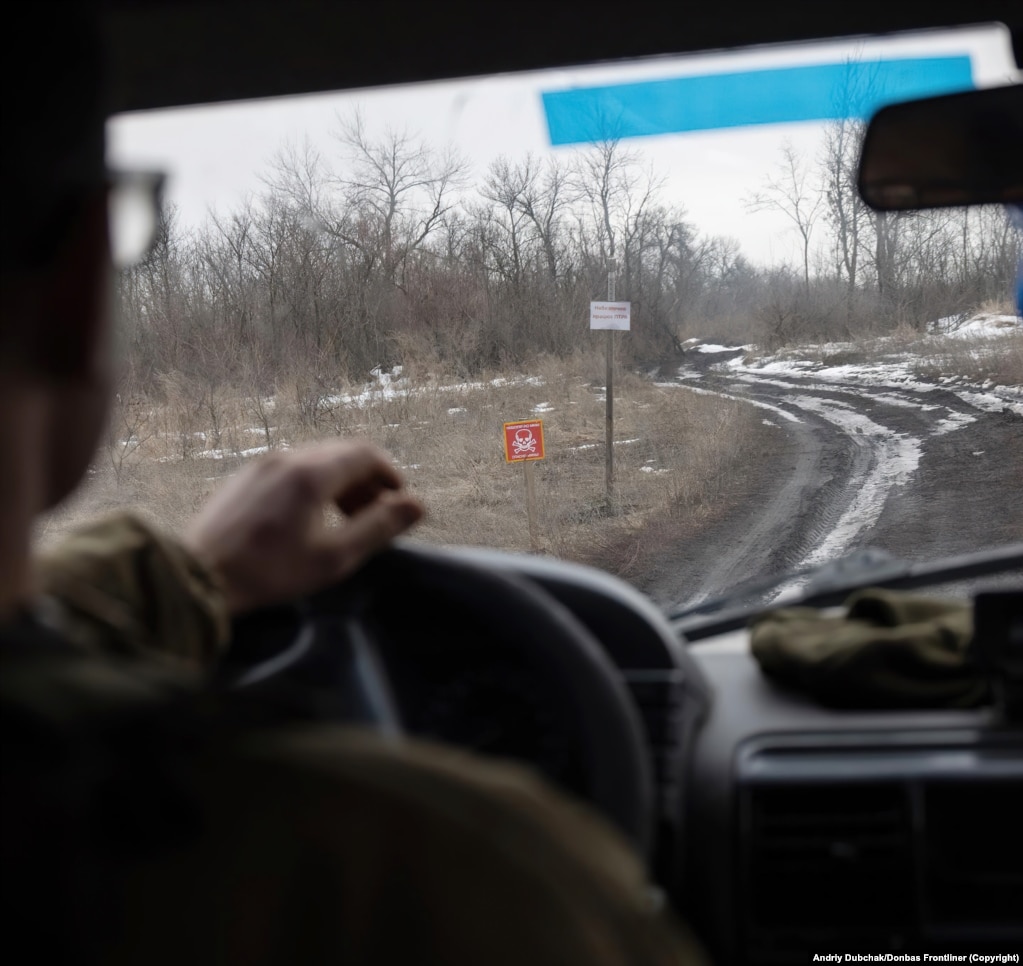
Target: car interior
(773, 824)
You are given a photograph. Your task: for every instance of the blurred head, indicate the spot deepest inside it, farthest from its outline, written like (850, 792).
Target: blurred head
(55, 268)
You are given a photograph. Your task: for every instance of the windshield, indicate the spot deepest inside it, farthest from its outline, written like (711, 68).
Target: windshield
(783, 375)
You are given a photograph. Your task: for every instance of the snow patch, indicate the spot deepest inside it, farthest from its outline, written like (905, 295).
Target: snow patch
(725, 395)
(895, 459)
(952, 422)
(991, 402)
(984, 326)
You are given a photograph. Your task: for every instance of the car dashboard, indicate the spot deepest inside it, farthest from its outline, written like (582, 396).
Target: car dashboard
(821, 829)
(782, 826)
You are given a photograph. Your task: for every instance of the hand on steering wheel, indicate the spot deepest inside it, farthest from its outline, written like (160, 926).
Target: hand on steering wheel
(264, 535)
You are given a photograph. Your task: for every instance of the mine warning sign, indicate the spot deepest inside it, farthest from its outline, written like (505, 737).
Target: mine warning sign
(523, 440)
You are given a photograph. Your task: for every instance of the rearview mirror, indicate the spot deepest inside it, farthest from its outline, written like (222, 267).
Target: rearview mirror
(959, 149)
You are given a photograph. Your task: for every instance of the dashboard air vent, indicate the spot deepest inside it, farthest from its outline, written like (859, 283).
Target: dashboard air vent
(829, 857)
(973, 869)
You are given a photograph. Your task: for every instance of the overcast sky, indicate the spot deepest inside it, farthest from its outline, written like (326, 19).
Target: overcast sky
(215, 154)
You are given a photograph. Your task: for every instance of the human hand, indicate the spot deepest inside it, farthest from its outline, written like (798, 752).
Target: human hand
(264, 533)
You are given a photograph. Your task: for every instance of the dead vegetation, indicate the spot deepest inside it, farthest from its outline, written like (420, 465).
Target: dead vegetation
(674, 452)
(677, 454)
(956, 351)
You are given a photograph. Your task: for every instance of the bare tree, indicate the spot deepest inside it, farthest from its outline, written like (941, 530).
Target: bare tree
(603, 178)
(794, 192)
(297, 174)
(846, 212)
(130, 423)
(544, 200)
(503, 189)
(401, 187)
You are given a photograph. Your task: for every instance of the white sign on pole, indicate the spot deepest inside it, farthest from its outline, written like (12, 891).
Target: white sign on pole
(610, 315)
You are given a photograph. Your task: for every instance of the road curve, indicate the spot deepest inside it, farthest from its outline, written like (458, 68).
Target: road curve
(920, 471)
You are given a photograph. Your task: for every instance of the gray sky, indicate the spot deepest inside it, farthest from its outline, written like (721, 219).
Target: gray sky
(215, 154)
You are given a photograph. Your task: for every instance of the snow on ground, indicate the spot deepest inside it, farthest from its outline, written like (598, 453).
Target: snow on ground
(896, 458)
(710, 347)
(384, 386)
(777, 410)
(393, 385)
(982, 326)
(991, 402)
(894, 371)
(888, 458)
(220, 454)
(953, 421)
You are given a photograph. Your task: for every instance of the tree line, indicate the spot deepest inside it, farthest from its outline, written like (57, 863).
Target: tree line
(386, 253)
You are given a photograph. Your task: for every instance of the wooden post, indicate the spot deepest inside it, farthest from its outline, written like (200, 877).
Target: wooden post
(534, 534)
(609, 405)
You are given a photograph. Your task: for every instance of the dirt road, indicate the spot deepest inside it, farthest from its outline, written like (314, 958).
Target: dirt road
(919, 471)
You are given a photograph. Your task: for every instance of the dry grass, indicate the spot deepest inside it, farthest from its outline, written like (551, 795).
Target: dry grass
(675, 452)
(996, 359)
(991, 358)
(999, 306)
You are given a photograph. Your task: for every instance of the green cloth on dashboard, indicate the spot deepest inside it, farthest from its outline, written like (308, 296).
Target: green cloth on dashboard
(888, 650)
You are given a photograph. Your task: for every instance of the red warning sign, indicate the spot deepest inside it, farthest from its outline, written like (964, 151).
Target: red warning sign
(523, 440)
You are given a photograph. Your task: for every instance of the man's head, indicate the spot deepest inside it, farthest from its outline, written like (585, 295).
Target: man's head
(55, 264)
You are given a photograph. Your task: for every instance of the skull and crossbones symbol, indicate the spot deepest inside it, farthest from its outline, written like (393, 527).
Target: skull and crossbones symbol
(523, 442)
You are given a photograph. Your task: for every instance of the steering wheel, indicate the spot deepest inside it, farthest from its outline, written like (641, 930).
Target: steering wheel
(335, 659)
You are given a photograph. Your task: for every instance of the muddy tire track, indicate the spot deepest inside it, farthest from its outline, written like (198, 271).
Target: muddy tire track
(919, 473)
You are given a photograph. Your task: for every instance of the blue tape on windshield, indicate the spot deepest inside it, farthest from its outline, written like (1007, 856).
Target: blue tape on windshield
(813, 93)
